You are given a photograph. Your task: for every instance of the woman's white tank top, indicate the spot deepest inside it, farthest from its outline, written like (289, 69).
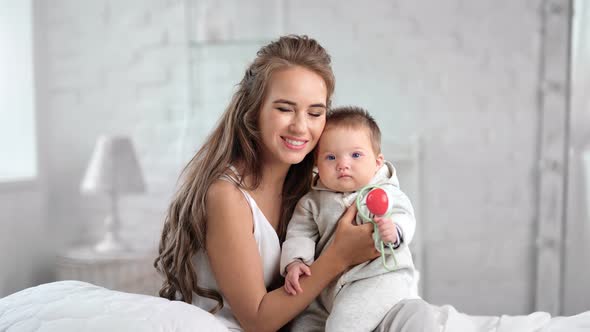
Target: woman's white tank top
(270, 253)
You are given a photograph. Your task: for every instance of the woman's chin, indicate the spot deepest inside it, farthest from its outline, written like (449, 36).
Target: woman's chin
(293, 157)
(294, 161)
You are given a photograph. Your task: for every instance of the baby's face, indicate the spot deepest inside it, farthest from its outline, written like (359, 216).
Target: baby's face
(346, 160)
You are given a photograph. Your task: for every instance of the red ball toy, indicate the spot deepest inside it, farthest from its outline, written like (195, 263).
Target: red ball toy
(377, 201)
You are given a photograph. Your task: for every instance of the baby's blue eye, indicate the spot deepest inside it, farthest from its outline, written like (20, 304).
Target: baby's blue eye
(356, 155)
(330, 157)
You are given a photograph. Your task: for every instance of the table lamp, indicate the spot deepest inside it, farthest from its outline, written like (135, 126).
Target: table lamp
(113, 170)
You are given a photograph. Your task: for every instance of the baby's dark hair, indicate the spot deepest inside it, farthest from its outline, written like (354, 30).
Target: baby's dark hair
(355, 117)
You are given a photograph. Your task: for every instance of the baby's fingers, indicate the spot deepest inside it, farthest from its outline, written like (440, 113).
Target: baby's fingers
(297, 287)
(382, 221)
(306, 270)
(388, 237)
(385, 229)
(288, 288)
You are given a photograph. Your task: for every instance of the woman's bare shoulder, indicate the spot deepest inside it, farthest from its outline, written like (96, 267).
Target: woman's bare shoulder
(225, 201)
(228, 216)
(220, 189)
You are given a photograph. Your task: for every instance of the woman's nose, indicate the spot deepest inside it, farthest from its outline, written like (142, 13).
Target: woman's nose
(298, 124)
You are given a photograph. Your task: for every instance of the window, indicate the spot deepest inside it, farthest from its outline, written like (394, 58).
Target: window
(18, 155)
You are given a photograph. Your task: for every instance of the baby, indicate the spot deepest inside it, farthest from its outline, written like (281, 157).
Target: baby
(348, 158)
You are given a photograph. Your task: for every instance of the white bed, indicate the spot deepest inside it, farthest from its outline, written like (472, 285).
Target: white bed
(80, 306)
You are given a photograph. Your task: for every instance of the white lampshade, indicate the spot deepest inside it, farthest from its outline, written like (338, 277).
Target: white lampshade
(113, 168)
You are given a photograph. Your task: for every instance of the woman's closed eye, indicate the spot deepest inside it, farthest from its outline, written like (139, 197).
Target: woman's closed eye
(284, 109)
(316, 112)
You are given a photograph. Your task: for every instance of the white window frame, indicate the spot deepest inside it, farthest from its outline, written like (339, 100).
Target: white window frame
(17, 94)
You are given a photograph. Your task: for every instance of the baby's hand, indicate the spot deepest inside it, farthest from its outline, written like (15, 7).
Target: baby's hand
(387, 229)
(294, 271)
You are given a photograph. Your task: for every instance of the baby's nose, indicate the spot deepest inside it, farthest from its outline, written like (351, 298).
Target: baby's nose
(342, 166)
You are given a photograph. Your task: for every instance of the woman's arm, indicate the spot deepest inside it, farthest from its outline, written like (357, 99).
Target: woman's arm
(237, 267)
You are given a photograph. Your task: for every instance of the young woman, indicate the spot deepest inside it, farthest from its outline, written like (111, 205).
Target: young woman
(220, 245)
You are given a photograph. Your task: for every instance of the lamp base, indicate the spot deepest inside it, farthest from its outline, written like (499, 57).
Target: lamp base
(110, 243)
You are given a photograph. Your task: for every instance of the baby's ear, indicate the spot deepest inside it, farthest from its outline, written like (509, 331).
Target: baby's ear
(380, 160)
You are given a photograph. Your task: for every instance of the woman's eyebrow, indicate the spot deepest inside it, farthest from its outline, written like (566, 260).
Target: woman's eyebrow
(288, 102)
(318, 105)
(284, 101)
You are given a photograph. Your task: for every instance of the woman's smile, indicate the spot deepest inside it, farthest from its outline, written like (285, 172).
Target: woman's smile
(293, 143)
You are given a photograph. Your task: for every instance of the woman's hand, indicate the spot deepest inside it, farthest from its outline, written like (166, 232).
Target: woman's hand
(353, 244)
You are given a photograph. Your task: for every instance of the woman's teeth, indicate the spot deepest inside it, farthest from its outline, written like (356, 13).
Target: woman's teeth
(293, 142)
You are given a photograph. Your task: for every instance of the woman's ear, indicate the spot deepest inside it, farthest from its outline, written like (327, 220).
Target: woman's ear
(380, 160)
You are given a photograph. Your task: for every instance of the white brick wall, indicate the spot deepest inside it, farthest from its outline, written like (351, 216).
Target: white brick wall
(114, 67)
(460, 74)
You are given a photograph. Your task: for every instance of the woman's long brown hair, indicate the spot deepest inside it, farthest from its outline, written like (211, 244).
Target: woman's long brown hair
(236, 139)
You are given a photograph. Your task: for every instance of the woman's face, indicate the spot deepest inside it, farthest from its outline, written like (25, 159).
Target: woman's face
(293, 115)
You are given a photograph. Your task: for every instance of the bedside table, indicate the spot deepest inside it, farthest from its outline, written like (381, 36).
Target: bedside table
(131, 272)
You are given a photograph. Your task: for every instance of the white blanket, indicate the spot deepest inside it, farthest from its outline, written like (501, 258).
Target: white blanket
(450, 320)
(79, 306)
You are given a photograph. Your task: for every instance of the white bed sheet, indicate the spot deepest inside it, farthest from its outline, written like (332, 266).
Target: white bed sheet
(80, 306)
